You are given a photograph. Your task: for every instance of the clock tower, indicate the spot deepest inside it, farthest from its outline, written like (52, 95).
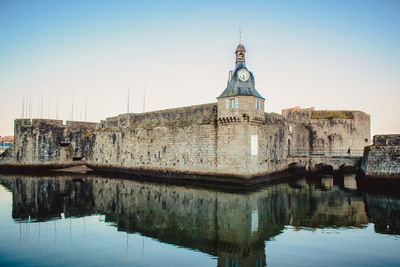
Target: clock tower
(240, 99)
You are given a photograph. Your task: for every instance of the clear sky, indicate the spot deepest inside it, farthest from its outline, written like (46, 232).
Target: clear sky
(328, 54)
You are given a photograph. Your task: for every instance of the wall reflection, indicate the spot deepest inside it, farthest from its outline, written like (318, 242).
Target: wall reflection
(230, 226)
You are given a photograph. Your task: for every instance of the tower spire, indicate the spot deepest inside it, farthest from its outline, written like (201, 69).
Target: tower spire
(240, 34)
(240, 30)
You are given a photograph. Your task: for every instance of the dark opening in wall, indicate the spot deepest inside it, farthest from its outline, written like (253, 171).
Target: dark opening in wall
(77, 158)
(64, 144)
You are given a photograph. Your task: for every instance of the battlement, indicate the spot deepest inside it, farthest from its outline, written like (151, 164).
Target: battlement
(49, 122)
(202, 114)
(332, 114)
(298, 114)
(274, 117)
(387, 140)
(81, 124)
(305, 115)
(37, 122)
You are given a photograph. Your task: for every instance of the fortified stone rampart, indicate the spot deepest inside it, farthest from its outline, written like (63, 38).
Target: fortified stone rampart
(382, 159)
(298, 114)
(336, 132)
(387, 140)
(189, 141)
(49, 141)
(192, 144)
(199, 113)
(174, 146)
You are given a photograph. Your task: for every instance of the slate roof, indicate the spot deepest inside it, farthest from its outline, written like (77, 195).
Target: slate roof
(236, 87)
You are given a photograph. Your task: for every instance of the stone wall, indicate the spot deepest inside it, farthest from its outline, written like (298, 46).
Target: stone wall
(298, 114)
(334, 132)
(49, 141)
(340, 134)
(191, 140)
(199, 113)
(382, 159)
(190, 146)
(173, 146)
(387, 140)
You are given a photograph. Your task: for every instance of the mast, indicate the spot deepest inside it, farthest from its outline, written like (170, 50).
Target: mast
(57, 109)
(23, 104)
(85, 108)
(72, 108)
(127, 106)
(144, 97)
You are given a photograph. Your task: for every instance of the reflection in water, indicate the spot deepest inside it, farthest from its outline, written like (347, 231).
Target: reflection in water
(231, 226)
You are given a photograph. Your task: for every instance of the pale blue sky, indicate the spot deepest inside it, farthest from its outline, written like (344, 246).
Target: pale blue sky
(327, 54)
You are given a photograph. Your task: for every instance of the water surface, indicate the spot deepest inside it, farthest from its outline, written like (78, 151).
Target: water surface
(96, 221)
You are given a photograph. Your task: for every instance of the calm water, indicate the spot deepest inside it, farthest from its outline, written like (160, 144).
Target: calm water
(95, 221)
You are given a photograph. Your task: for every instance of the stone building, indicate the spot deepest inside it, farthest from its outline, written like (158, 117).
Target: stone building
(233, 138)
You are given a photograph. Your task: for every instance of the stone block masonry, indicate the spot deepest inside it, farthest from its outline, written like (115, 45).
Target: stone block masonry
(189, 140)
(382, 159)
(335, 132)
(183, 142)
(40, 141)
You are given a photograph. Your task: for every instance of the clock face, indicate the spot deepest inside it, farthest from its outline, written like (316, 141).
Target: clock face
(243, 75)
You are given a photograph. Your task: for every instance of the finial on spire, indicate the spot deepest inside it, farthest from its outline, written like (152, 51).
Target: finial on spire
(240, 31)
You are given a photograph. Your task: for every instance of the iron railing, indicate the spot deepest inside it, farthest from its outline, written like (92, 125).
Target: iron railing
(341, 153)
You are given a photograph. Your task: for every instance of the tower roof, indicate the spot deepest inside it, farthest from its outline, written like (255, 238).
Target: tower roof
(240, 48)
(237, 86)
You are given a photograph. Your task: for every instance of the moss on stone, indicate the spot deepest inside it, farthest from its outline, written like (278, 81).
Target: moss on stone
(5, 153)
(215, 121)
(332, 114)
(396, 154)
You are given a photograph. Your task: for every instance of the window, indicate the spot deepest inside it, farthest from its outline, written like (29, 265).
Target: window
(257, 104)
(366, 140)
(232, 103)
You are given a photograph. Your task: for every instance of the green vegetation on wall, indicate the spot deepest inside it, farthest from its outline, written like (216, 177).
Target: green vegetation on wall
(328, 114)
